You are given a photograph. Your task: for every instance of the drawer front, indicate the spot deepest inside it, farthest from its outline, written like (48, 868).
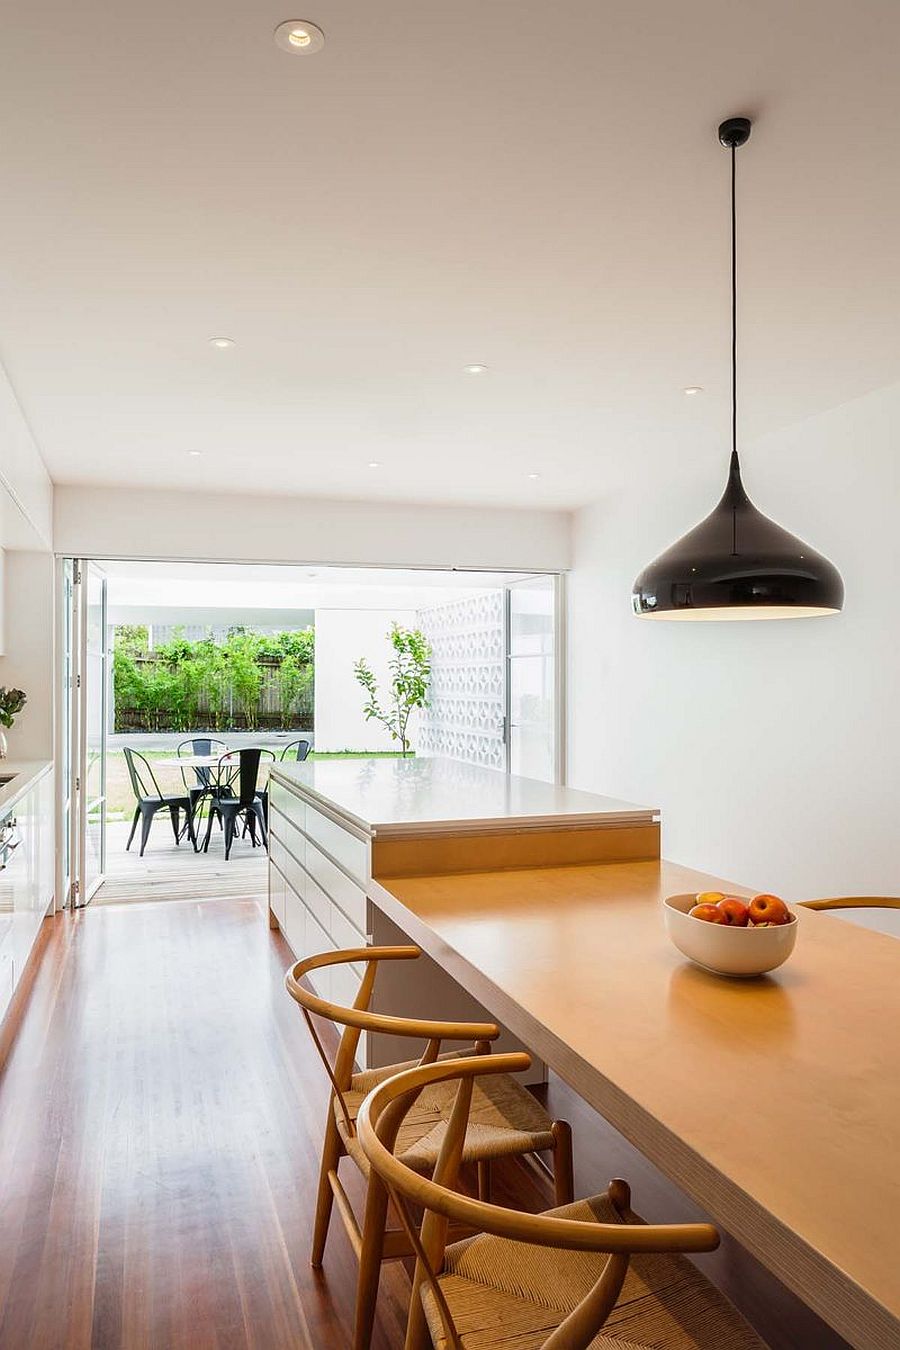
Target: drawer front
(295, 923)
(288, 834)
(344, 985)
(291, 870)
(287, 802)
(344, 933)
(338, 886)
(277, 890)
(317, 940)
(344, 847)
(319, 905)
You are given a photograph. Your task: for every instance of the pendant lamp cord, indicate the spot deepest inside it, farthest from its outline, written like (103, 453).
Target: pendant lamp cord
(733, 306)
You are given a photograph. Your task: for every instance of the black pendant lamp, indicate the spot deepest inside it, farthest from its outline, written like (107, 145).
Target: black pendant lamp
(737, 564)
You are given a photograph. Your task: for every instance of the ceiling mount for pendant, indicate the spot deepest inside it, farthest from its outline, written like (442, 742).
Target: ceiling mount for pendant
(737, 564)
(734, 132)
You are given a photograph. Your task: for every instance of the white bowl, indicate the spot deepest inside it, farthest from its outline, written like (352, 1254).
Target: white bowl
(723, 949)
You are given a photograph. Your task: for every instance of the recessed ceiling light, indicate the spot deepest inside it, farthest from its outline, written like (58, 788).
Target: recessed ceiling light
(221, 342)
(195, 454)
(693, 389)
(475, 370)
(374, 463)
(300, 37)
(534, 475)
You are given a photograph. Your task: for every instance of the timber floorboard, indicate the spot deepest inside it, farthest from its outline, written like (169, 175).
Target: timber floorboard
(161, 1114)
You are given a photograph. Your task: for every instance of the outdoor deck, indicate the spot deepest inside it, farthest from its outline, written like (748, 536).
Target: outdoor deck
(175, 872)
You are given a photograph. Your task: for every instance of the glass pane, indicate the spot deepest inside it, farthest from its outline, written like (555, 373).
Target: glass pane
(532, 679)
(95, 713)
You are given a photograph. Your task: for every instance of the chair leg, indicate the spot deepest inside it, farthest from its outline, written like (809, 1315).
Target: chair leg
(563, 1163)
(175, 815)
(137, 812)
(250, 826)
(370, 1255)
(260, 812)
(191, 831)
(146, 822)
(230, 826)
(209, 824)
(331, 1153)
(484, 1180)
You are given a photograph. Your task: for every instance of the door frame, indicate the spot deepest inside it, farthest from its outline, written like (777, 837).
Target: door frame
(80, 891)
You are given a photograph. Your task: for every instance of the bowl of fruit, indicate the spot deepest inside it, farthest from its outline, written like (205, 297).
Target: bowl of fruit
(731, 936)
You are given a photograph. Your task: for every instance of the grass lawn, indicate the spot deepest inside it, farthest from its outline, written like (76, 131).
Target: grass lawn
(120, 802)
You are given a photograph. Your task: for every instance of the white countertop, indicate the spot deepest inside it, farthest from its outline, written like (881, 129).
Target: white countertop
(24, 773)
(385, 796)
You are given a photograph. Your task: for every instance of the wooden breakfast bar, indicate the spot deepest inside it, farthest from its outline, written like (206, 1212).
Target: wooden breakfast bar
(774, 1102)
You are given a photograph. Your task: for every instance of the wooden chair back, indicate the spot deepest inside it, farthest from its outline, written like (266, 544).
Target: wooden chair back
(853, 902)
(358, 1018)
(380, 1118)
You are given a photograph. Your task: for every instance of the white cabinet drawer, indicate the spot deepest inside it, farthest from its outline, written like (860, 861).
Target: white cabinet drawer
(287, 802)
(293, 873)
(288, 834)
(317, 940)
(336, 884)
(344, 847)
(276, 893)
(319, 904)
(344, 933)
(295, 923)
(344, 985)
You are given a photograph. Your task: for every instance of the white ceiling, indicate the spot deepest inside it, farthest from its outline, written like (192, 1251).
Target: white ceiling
(535, 187)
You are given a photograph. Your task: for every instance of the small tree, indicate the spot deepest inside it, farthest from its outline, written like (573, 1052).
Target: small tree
(215, 681)
(294, 679)
(246, 675)
(410, 672)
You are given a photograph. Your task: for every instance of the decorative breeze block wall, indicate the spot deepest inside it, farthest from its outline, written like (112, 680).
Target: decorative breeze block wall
(465, 719)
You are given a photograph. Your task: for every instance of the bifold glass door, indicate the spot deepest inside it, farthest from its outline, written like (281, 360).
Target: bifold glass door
(534, 685)
(88, 723)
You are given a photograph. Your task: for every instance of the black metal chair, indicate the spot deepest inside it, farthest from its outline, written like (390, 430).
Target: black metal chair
(235, 796)
(151, 798)
(203, 777)
(300, 748)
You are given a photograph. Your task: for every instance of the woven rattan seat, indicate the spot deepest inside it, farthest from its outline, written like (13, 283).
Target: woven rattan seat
(505, 1119)
(512, 1295)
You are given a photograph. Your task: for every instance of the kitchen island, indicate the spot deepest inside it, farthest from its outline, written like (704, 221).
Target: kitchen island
(773, 1102)
(338, 825)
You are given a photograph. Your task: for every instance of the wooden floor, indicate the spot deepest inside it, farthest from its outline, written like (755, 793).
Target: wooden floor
(160, 1117)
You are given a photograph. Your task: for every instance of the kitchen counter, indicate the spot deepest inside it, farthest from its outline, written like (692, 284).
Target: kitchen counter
(24, 774)
(394, 797)
(27, 866)
(775, 1102)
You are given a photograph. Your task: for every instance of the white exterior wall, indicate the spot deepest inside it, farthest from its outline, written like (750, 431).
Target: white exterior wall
(342, 636)
(772, 749)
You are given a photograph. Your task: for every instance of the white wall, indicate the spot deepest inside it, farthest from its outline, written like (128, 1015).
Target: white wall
(773, 749)
(28, 662)
(26, 499)
(342, 636)
(120, 522)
